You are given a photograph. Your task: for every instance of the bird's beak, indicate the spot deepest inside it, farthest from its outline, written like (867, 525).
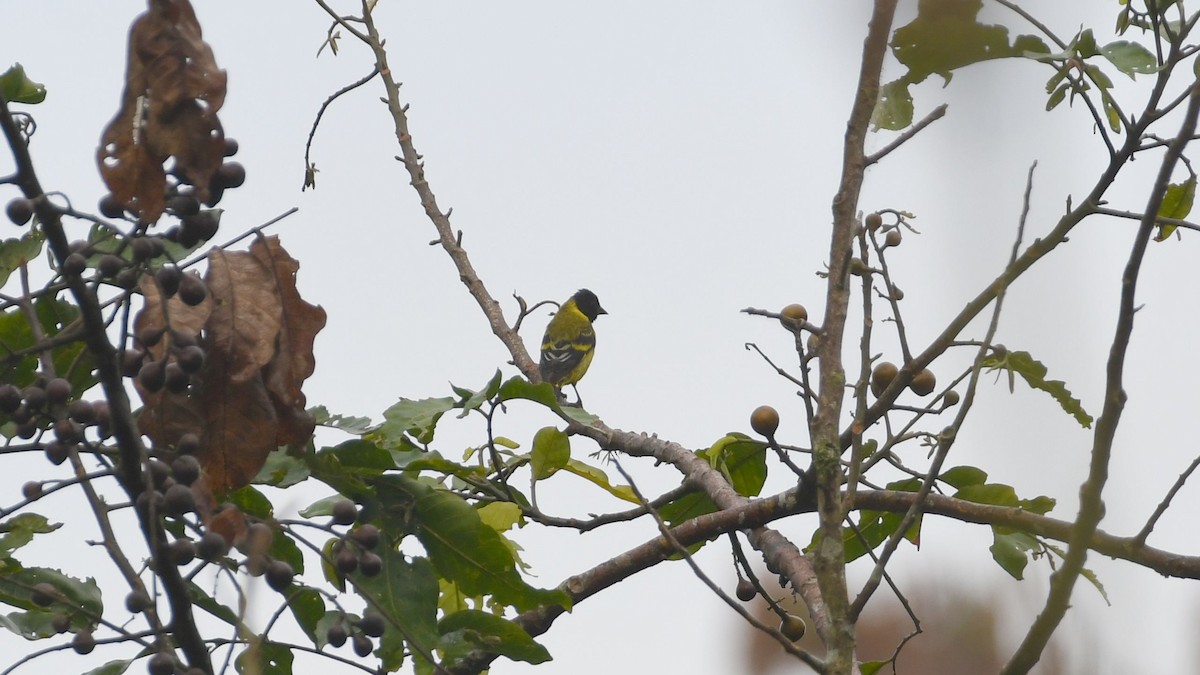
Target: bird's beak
(601, 312)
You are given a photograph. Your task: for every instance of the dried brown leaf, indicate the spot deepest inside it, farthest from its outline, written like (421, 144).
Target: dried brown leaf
(240, 426)
(179, 316)
(246, 317)
(173, 90)
(293, 361)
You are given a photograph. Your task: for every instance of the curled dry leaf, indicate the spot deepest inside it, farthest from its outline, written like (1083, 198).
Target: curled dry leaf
(173, 90)
(246, 317)
(293, 361)
(258, 337)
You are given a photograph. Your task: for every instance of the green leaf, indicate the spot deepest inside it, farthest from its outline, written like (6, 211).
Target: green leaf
(1034, 374)
(418, 418)
(685, 508)
(351, 425)
(111, 668)
(282, 470)
(321, 507)
(406, 594)
(894, 109)
(206, 602)
(473, 400)
(551, 452)
(358, 454)
(264, 658)
(459, 545)
(520, 388)
(252, 502)
(962, 476)
(16, 252)
(871, 667)
(500, 516)
(468, 630)
(1057, 96)
(19, 531)
(1130, 58)
(597, 476)
(1009, 550)
(875, 527)
(742, 460)
(17, 582)
(996, 494)
(1177, 203)
(308, 607)
(285, 549)
(16, 87)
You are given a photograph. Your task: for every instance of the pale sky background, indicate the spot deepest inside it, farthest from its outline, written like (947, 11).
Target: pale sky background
(679, 159)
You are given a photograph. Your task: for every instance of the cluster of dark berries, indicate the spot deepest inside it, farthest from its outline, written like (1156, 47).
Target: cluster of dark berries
(356, 551)
(171, 483)
(175, 364)
(46, 404)
(358, 631)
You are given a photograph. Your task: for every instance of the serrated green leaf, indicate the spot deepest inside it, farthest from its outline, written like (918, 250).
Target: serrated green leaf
(1177, 203)
(16, 87)
(418, 418)
(962, 476)
(1034, 374)
(17, 582)
(551, 452)
(468, 630)
(351, 425)
(597, 476)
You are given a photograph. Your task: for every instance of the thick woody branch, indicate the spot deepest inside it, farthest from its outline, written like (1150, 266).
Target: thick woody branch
(829, 557)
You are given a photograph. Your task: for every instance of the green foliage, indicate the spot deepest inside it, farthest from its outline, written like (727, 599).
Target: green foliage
(16, 87)
(742, 460)
(946, 35)
(16, 252)
(1034, 374)
(551, 452)
(1177, 204)
(405, 593)
(875, 527)
(468, 630)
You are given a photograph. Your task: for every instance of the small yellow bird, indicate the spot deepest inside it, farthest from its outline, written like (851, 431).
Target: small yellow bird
(569, 342)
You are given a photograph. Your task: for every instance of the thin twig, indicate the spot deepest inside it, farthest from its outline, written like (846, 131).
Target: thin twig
(1166, 502)
(933, 116)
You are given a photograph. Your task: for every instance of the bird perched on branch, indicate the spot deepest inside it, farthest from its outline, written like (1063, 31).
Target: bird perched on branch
(567, 346)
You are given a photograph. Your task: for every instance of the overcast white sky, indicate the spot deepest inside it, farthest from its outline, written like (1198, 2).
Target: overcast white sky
(679, 159)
